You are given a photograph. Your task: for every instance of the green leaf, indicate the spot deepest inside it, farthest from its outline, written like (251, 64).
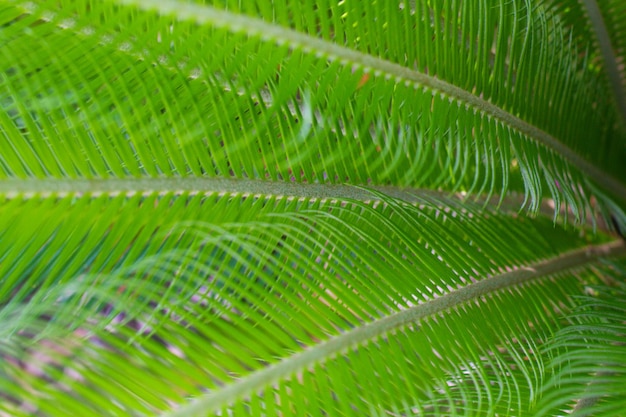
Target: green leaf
(310, 208)
(592, 345)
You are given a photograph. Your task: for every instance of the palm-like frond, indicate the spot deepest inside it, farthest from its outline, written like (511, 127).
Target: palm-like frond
(209, 101)
(602, 23)
(593, 345)
(260, 302)
(183, 226)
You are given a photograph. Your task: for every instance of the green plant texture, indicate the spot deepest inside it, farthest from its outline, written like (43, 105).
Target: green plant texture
(312, 208)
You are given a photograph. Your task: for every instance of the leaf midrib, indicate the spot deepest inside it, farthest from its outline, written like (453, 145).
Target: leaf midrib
(203, 14)
(191, 185)
(256, 381)
(61, 187)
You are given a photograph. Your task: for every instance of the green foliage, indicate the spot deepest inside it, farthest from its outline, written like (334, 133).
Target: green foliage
(312, 208)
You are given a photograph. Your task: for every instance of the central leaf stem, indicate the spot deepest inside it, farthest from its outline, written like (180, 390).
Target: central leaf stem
(29, 188)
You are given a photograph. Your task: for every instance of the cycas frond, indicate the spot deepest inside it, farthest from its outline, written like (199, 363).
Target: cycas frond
(601, 22)
(284, 309)
(593, 345)
(183, 228)
(252, 109)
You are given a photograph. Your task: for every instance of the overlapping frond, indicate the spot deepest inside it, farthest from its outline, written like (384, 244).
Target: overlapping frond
(250, 208)
(593, 345)
(601, 23)
(276, 95)
(280, 313)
